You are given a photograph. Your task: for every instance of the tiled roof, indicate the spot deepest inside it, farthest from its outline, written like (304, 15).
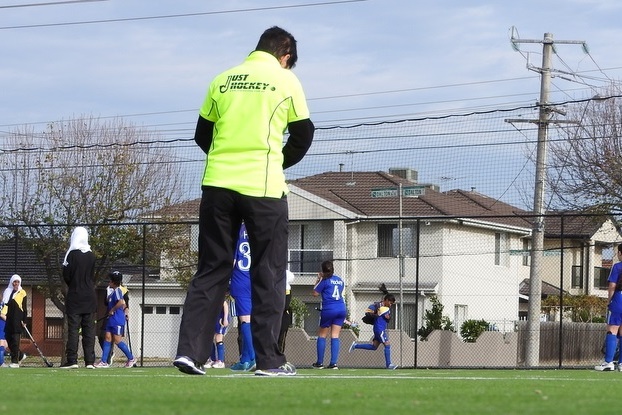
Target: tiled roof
(353, 191)
(20, 261)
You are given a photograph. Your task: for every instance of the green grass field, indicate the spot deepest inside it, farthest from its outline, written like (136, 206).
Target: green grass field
(155, 391)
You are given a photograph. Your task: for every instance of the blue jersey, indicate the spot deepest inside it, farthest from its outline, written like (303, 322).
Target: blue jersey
(615, 305)
(241, 277)
(382, 320)
(331, 290)
(114, 296)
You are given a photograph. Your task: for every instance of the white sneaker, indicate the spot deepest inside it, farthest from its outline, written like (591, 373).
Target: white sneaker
(605, 367)
(24, 356)
(14, 365)
(101, 365)
(619, 367)
(218, 364)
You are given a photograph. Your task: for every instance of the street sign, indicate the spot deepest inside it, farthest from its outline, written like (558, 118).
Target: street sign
(409, 191)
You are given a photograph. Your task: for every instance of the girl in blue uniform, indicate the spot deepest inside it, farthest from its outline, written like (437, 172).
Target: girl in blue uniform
(332, 316)
(381, 312)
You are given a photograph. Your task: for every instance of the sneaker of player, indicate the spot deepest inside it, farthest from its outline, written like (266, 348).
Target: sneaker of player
(392, 367)
(209, 363)
(317, 365)
(253, 366)
(332, 366)
(242, 366)
(188, 366)
(24, 356)
(218, 364)
(619, 366)
(605, 367)
(130, 363)
(68, 365)
(285, 370)
(90, 366)
(352, 346)
(14, 365)
(101, 365)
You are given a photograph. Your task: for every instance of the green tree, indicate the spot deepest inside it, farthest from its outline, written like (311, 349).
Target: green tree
(578, 308)
(434, 319)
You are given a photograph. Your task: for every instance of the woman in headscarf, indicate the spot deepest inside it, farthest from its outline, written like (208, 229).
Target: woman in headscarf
(80, 301)
(14, 313)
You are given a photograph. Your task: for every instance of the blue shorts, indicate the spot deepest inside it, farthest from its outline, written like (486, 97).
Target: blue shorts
(243, 306)
(2, 324)
(332, 317)
(220, 329)
(381, 337)
(614, 318)
(115, 330)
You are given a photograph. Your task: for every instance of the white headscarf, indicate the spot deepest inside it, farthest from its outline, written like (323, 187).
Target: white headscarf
(9, 290)
(79, 240)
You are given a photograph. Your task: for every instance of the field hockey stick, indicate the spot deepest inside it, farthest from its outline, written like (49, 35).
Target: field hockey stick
(48, 364)
(129, 339)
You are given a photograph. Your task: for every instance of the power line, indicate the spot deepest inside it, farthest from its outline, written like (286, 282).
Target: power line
(50, 3)
(174, 16)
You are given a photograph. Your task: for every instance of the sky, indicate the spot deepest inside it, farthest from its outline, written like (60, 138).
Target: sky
(359, 60)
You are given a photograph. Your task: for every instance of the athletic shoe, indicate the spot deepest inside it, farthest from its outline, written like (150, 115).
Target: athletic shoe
(253, 366)
(101, 365)
(90, 366)
(111, 359)
(186, 365)
(68, 365)
(209, 363)
(285, 370)
(317, 366)
(605, 367)
(242, 366)
(352, 346)
(218, 364)
(333, 366)
(620, 367)
(392, 367)
(14, 365)
(24, 356)
(130, 363)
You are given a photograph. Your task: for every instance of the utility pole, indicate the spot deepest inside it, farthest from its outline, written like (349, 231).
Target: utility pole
(532, 338)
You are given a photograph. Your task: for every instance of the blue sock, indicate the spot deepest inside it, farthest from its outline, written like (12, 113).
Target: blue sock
(1, 355)
(366, 346)
(248, 351)
(611, 341)
(619, 348)
(125, 350)
(334, 350)
(321, 347)
(220, 349)
(387, 354)
(105, 351)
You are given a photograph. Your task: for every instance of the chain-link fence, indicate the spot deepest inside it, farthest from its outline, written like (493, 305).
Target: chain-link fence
(461, 284)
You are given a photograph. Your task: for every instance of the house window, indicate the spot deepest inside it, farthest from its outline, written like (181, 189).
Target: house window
(601, 275)
(501, 249)
(577, 276)
(389, 240)
(460, 315)
(526, 252)
(307, 247)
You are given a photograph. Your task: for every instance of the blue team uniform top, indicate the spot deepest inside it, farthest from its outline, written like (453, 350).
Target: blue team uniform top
(240, 277)
(615, 304)
(331, 289)
(118, 318)
(382, 320)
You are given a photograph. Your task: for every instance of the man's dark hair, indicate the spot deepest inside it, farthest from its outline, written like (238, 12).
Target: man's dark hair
(390, 297)
(116, 277)
(279, 42)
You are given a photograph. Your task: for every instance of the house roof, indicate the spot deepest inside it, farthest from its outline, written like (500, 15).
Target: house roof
(15, 259)
(547, 289)
(353, 191)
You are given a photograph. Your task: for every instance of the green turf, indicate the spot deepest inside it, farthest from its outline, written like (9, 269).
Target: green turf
(155, 391)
